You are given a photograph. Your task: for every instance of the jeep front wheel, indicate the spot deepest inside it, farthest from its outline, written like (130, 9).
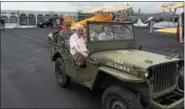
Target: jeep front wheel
(62, 78)
(116, 97)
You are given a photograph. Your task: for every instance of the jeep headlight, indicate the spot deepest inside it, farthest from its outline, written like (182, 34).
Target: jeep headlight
(146, 74)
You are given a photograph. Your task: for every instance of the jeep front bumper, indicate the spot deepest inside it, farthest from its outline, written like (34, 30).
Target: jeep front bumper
(179, 104)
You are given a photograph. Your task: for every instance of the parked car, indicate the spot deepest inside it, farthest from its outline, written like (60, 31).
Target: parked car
(47, 23)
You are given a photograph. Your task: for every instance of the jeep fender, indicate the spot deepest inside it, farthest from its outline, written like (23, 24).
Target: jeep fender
(107, 77)
(56, 54)
(123, 76)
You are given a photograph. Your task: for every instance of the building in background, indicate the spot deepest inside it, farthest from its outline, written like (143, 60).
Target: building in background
(22, 19)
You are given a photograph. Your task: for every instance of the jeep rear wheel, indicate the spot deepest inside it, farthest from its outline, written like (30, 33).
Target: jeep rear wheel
(62, 78)
(116, 97)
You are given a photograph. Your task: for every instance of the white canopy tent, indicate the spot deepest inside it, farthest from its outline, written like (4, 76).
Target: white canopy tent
(38, 6)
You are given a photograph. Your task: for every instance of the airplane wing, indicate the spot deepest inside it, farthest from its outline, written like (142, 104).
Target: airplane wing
(117, 9)
(171, 6)
(92, 11)
(108, 9)
(177, 5)
(99, 17)
(167, 30)
(164, 6)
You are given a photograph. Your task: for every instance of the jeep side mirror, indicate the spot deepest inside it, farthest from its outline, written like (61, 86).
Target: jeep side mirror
(140, 47)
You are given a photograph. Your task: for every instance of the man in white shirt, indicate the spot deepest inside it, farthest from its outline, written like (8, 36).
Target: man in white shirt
(77, 45)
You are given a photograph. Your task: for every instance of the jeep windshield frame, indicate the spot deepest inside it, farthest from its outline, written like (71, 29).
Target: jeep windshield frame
(101, 45)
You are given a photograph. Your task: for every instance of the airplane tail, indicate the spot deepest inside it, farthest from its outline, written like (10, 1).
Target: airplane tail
(140, 23)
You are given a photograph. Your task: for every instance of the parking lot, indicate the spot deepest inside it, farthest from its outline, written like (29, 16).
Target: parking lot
(27, 73)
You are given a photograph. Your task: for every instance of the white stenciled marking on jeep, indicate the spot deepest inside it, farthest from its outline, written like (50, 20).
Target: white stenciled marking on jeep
(123, 51)
(118, 66)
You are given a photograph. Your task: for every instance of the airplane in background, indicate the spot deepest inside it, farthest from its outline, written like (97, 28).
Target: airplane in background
(101, 14)
(172, 22)
(139, 23)
(179, 29)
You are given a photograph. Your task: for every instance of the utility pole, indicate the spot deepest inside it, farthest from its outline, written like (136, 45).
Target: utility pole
(18, 18)
(139, 10)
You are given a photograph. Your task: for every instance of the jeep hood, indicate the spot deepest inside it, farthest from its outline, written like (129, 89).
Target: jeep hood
(137, 58)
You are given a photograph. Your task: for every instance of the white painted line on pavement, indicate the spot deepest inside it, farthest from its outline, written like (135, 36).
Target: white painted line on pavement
(35, 39)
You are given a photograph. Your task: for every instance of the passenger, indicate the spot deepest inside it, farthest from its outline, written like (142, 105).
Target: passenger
(58, 23)
(63, 27)
(93, 35)
(107, 34)
(77, 46)
(65, 34)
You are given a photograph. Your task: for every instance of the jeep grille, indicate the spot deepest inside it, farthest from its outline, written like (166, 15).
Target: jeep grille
(164, 76)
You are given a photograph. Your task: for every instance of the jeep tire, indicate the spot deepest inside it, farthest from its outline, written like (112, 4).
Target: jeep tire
(116, 97)
(62, 78)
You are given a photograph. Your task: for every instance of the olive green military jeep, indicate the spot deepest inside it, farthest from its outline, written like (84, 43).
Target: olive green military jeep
(131, 78)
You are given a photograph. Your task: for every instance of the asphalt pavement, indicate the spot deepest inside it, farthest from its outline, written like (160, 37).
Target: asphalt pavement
(27, 73)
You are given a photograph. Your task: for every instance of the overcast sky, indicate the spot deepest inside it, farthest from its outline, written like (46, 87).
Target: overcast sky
(147, 7)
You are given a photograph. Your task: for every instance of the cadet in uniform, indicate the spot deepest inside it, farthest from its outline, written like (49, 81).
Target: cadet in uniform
(107, 34)
(65, 34)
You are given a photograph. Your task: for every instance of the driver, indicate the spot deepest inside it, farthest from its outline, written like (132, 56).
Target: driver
(107, 34)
